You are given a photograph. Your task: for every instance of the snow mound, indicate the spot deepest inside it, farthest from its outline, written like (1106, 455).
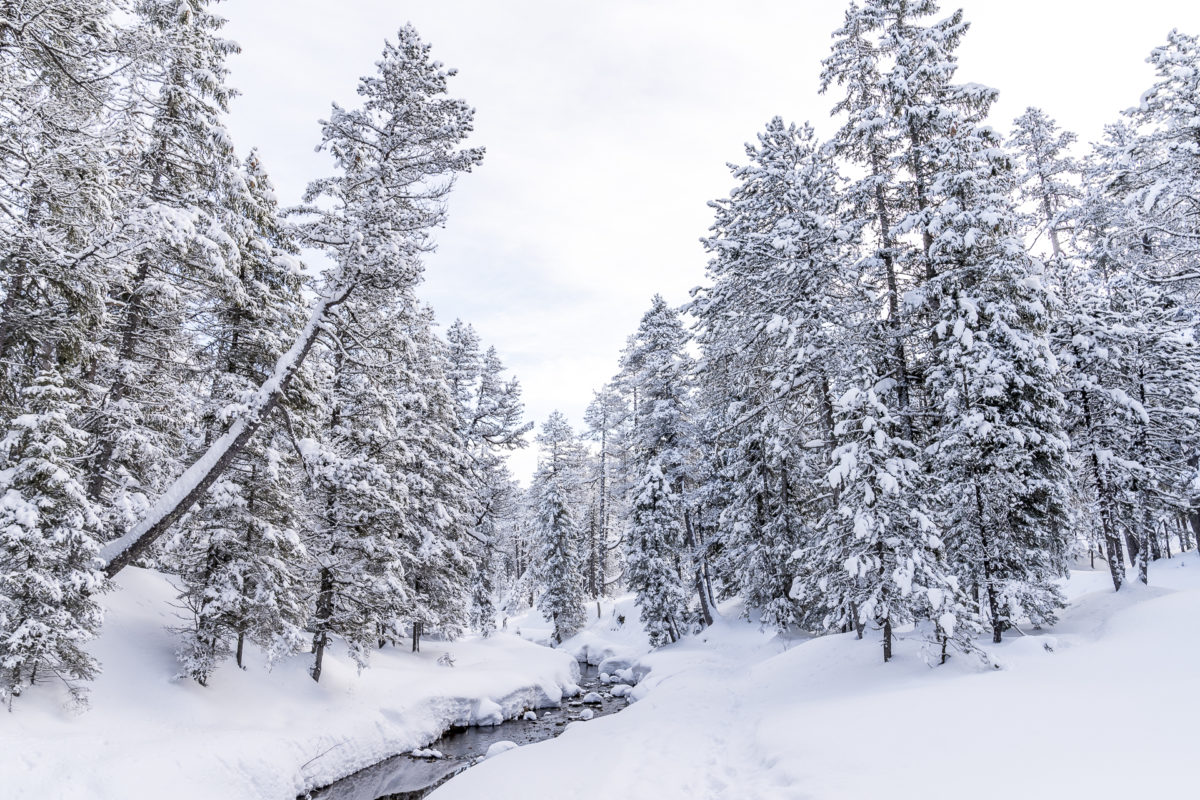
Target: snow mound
(593, 699)
(586, 714)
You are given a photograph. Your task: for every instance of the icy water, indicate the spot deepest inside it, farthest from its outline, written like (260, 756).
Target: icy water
(404, 777)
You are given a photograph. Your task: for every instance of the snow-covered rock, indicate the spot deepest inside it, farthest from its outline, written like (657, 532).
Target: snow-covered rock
(487, 712)
(614, 665)
(496, 748)
(586, 714)
(427, 752)
(529, 716)
(592, 698)
(621, 690)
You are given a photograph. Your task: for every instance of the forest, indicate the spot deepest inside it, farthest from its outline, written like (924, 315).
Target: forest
(939, 361)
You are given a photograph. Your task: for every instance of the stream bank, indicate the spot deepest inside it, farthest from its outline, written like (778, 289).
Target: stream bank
(409, 777)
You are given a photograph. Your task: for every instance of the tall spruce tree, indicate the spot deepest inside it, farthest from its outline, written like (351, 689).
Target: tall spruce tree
(661, 555)
(556, 528)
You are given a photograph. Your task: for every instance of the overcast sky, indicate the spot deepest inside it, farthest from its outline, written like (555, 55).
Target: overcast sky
(608, 125)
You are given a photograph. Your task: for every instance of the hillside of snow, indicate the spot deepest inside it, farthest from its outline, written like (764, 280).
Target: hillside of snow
(251, 735)
(1104, 705)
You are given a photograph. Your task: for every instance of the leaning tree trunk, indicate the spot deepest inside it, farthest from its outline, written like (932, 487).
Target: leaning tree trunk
(189, 487)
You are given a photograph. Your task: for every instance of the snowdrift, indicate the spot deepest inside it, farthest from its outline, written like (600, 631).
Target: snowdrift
(252, 734)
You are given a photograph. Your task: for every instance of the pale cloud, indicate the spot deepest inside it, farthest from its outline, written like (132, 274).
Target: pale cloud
(608, 126)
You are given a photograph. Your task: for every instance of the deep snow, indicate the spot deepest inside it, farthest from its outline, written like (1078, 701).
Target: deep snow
(251, 734)
(1104, 705)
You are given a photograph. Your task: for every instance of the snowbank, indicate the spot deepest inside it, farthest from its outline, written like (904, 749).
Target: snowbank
(1102, 706)
(251, 734)
(611, 639)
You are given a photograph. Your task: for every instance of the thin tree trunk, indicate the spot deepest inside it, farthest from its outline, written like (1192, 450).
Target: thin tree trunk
(705, 611)
(324, 613)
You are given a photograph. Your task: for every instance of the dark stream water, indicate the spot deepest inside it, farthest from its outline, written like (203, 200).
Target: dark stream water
(405, 777)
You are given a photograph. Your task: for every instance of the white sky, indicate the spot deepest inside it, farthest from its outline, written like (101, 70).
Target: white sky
(608, 125)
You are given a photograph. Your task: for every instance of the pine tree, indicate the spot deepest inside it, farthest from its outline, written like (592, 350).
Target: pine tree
(999, 452)
(489, 411)
(239, 557)
(769, 326)
(661, 553)
(607, 418)
(558, 568)
(59, 188)
(48, 545)
(438, 479)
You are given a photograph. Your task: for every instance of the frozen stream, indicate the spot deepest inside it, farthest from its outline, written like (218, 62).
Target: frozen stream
(405, 777)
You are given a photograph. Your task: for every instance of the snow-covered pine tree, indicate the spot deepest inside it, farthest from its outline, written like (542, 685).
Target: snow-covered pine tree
(999, 449)
(178, 252)
(489, 410)
(661, 554)
(557, 567)
(607, 418)
(239, 557)
(356, 535)
(768, 328)
(879, 559)
(396, 158)
(48, 545)
(438, 479)
(58, 186)
(1048, 178)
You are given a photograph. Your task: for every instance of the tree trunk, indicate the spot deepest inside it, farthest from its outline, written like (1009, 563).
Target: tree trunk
(887, 639)
(705, 611)
(416, 637)
(324, 613)
(1112, 545)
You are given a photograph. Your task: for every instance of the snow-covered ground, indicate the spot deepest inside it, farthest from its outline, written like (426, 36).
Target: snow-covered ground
(251, 734)
(1103, 706)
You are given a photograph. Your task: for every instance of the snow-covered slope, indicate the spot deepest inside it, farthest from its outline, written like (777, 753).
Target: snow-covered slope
(251, 734)
(1103, 706)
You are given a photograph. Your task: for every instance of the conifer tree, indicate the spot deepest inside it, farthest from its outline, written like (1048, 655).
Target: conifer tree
(239, 557)
(558, 568)
(769, 327)
(48, 545)
(661, 554)
(999, 452)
